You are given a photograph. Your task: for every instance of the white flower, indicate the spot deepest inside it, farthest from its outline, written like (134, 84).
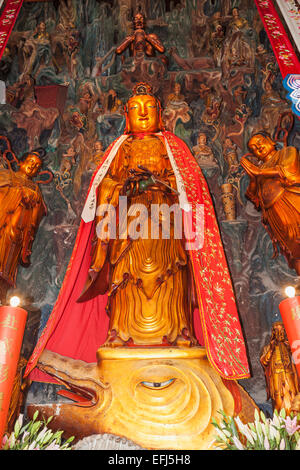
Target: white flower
(298, 445)
(276, 420)
(41, 434)
(244, 430)
(33, 446)
(221, 434)
(266, 444)
(20, 420)
(291, 425)
(256, 415)
(11, 440)
(26, 433)
(238, 443)
(52, 446)
(259, 431)
(282, 444)
(274, 433)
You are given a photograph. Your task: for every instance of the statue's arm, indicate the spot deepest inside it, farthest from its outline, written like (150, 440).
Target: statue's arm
(155, 42)
(126, 43)
(289, 166)
(107, 202)
(5, 178)
(252, 192)
(38, 213)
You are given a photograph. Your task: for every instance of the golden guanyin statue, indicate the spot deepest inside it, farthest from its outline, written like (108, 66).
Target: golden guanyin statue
(280, 371)
(148, 290)
(21, 210)
(274, 188)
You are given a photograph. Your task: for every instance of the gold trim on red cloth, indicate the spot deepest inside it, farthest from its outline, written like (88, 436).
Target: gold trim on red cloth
(284, 52)
(7, 20)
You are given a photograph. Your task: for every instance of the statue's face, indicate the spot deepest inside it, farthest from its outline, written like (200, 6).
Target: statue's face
(261, 146)
(202, 139)
(138, 21)
(143, 114)
(31, 165)
(98, 147)
(177, 88)
(279, 332)
(42, 27)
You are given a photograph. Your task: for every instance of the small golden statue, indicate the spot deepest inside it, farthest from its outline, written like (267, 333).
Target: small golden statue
(274, 188)
(21, 210)
(139, 41)
(280, 371)
(203, 152)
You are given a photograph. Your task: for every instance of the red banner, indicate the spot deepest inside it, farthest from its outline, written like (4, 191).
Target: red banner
(282, 47)
(7, 21)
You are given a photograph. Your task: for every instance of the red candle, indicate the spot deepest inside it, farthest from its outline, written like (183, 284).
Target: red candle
(290, 313)
(12, 325)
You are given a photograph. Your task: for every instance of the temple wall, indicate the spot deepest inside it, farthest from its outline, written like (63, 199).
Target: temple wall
(230, 86)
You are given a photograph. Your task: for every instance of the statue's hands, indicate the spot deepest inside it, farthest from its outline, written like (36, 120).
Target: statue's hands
(145, 183)
(136, 185)
(249, 167)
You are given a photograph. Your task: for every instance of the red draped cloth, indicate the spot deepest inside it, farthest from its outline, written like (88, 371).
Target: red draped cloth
(77, 330)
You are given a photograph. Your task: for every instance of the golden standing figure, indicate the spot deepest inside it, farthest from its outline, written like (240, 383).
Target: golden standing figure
(280, 371)
(21, 210)
(274, 188)
(139, 41)
(148, 277)
(160, 387)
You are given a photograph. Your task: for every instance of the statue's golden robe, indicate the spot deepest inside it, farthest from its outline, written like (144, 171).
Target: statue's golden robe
(148, 282)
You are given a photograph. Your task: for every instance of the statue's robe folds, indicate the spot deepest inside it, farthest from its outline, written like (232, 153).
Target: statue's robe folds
(21, 210)
(77, 329)
(279, 200)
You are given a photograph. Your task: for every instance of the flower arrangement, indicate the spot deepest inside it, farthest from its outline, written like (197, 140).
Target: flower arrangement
(279, 433)
(32, 437)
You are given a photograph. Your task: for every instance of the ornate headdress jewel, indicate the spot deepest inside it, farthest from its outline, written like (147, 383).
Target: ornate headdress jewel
(142, 89)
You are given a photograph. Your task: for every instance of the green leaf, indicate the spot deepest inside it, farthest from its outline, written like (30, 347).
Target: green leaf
(233, 428)
(35, 427)
(282, 413)
(17, 428)
(214, 422)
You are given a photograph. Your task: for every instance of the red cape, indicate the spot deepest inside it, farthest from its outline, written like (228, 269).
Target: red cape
(77, 330)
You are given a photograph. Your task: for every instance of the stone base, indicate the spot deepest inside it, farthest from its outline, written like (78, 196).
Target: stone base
(159, 398)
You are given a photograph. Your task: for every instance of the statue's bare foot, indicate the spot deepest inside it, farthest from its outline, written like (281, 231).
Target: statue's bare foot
(113, 341)
(185, 340)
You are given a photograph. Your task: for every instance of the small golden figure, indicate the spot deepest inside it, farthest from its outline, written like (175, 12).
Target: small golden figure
(139, 41)
(21, 210)
(203, 153)
(274, 188)
(280, 371)
(238, 22)
(176, 96)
